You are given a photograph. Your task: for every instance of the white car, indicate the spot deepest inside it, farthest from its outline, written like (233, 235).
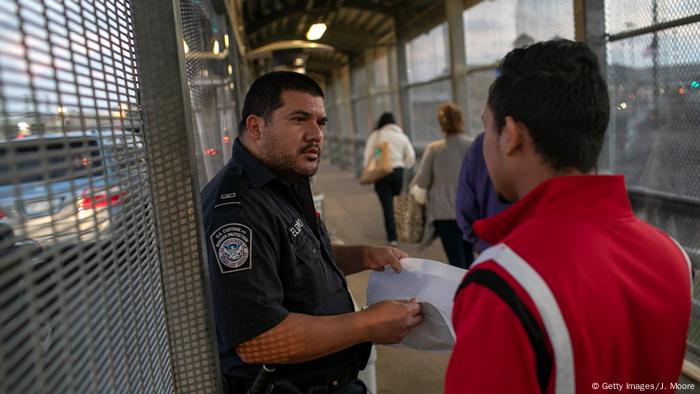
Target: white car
(59, 188)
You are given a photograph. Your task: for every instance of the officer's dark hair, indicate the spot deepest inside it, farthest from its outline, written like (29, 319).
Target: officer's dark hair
(556, 90)
(265, 94)
(385, 119)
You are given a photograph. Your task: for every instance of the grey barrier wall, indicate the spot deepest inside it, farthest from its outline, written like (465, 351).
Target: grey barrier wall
(170, 143)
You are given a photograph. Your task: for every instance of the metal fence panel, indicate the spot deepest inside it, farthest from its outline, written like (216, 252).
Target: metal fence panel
(81, 301)
(424, 101)
(625, 15)
(209, 59)
(428, 55)
(494, 28)
(160, 28)
(655, 96)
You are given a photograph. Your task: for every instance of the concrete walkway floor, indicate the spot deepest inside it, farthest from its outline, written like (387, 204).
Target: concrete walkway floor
(353, 215)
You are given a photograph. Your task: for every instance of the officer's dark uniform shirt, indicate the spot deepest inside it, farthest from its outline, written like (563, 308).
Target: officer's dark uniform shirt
(268, 255)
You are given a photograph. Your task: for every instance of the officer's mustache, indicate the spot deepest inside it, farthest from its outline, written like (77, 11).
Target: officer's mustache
(310, 146)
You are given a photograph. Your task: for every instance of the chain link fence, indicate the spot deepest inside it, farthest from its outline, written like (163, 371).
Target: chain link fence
(653, 54)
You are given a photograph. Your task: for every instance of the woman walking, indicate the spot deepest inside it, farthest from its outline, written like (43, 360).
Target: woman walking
(438, 175)
(402, 156)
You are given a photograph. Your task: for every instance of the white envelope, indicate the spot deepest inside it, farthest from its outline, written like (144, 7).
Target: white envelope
(433, 284)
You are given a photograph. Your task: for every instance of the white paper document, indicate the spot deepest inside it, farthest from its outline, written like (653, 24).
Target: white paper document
(433, 284)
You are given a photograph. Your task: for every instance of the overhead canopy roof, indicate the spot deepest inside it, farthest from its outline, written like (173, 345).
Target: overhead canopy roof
(353, 25)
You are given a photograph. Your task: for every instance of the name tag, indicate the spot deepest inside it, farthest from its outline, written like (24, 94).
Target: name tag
(296, 227)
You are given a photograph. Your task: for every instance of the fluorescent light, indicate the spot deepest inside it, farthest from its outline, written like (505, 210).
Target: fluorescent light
(230, 69)
(225, 40)
(216, 47)
(316, 31)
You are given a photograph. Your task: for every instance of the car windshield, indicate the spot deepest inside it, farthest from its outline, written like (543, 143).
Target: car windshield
(40, 160)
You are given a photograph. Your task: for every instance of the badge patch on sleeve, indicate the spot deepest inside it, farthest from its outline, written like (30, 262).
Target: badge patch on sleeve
(233, 245)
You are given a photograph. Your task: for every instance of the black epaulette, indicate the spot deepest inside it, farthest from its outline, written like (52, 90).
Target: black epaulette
(227, 196)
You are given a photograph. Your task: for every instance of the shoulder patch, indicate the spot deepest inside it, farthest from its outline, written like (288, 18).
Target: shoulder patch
(233, 245)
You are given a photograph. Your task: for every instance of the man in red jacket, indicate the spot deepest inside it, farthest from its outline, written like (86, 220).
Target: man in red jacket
(577, 294)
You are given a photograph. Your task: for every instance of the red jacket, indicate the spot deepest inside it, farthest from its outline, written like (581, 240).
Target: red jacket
(601, 298)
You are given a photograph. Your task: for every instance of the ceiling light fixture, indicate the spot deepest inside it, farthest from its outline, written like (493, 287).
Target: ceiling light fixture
(316, 31)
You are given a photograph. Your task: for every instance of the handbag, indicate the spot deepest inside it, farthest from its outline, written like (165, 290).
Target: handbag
(420, 194)
(378, 166)
(409, 216)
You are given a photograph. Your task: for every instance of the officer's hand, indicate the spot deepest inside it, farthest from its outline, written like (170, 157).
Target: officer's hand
(378, 257)
(390, 321)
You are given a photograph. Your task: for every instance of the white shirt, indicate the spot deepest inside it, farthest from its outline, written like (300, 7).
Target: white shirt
(400, 148)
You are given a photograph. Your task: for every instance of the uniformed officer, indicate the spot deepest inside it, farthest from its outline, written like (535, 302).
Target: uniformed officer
(278, 285)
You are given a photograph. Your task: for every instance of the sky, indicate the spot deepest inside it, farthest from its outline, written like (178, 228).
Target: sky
(492, 26)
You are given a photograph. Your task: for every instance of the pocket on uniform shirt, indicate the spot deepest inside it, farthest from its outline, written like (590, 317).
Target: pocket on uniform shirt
(308, 270)
(307, 249)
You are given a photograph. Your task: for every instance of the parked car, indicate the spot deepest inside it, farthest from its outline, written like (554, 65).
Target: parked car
(59, 188)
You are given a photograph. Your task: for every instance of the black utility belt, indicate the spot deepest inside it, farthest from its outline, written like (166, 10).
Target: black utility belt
(270, 381)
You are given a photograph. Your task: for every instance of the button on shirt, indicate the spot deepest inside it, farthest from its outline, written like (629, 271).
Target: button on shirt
(268, 256)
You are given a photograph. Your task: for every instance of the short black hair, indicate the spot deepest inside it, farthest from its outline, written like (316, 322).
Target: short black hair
(556, 90)
(265, 94)
(385, 119)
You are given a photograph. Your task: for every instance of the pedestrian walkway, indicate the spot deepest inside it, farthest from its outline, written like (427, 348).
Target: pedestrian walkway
(353, 215)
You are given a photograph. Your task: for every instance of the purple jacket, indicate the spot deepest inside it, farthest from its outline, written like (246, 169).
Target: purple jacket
(476, 197)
